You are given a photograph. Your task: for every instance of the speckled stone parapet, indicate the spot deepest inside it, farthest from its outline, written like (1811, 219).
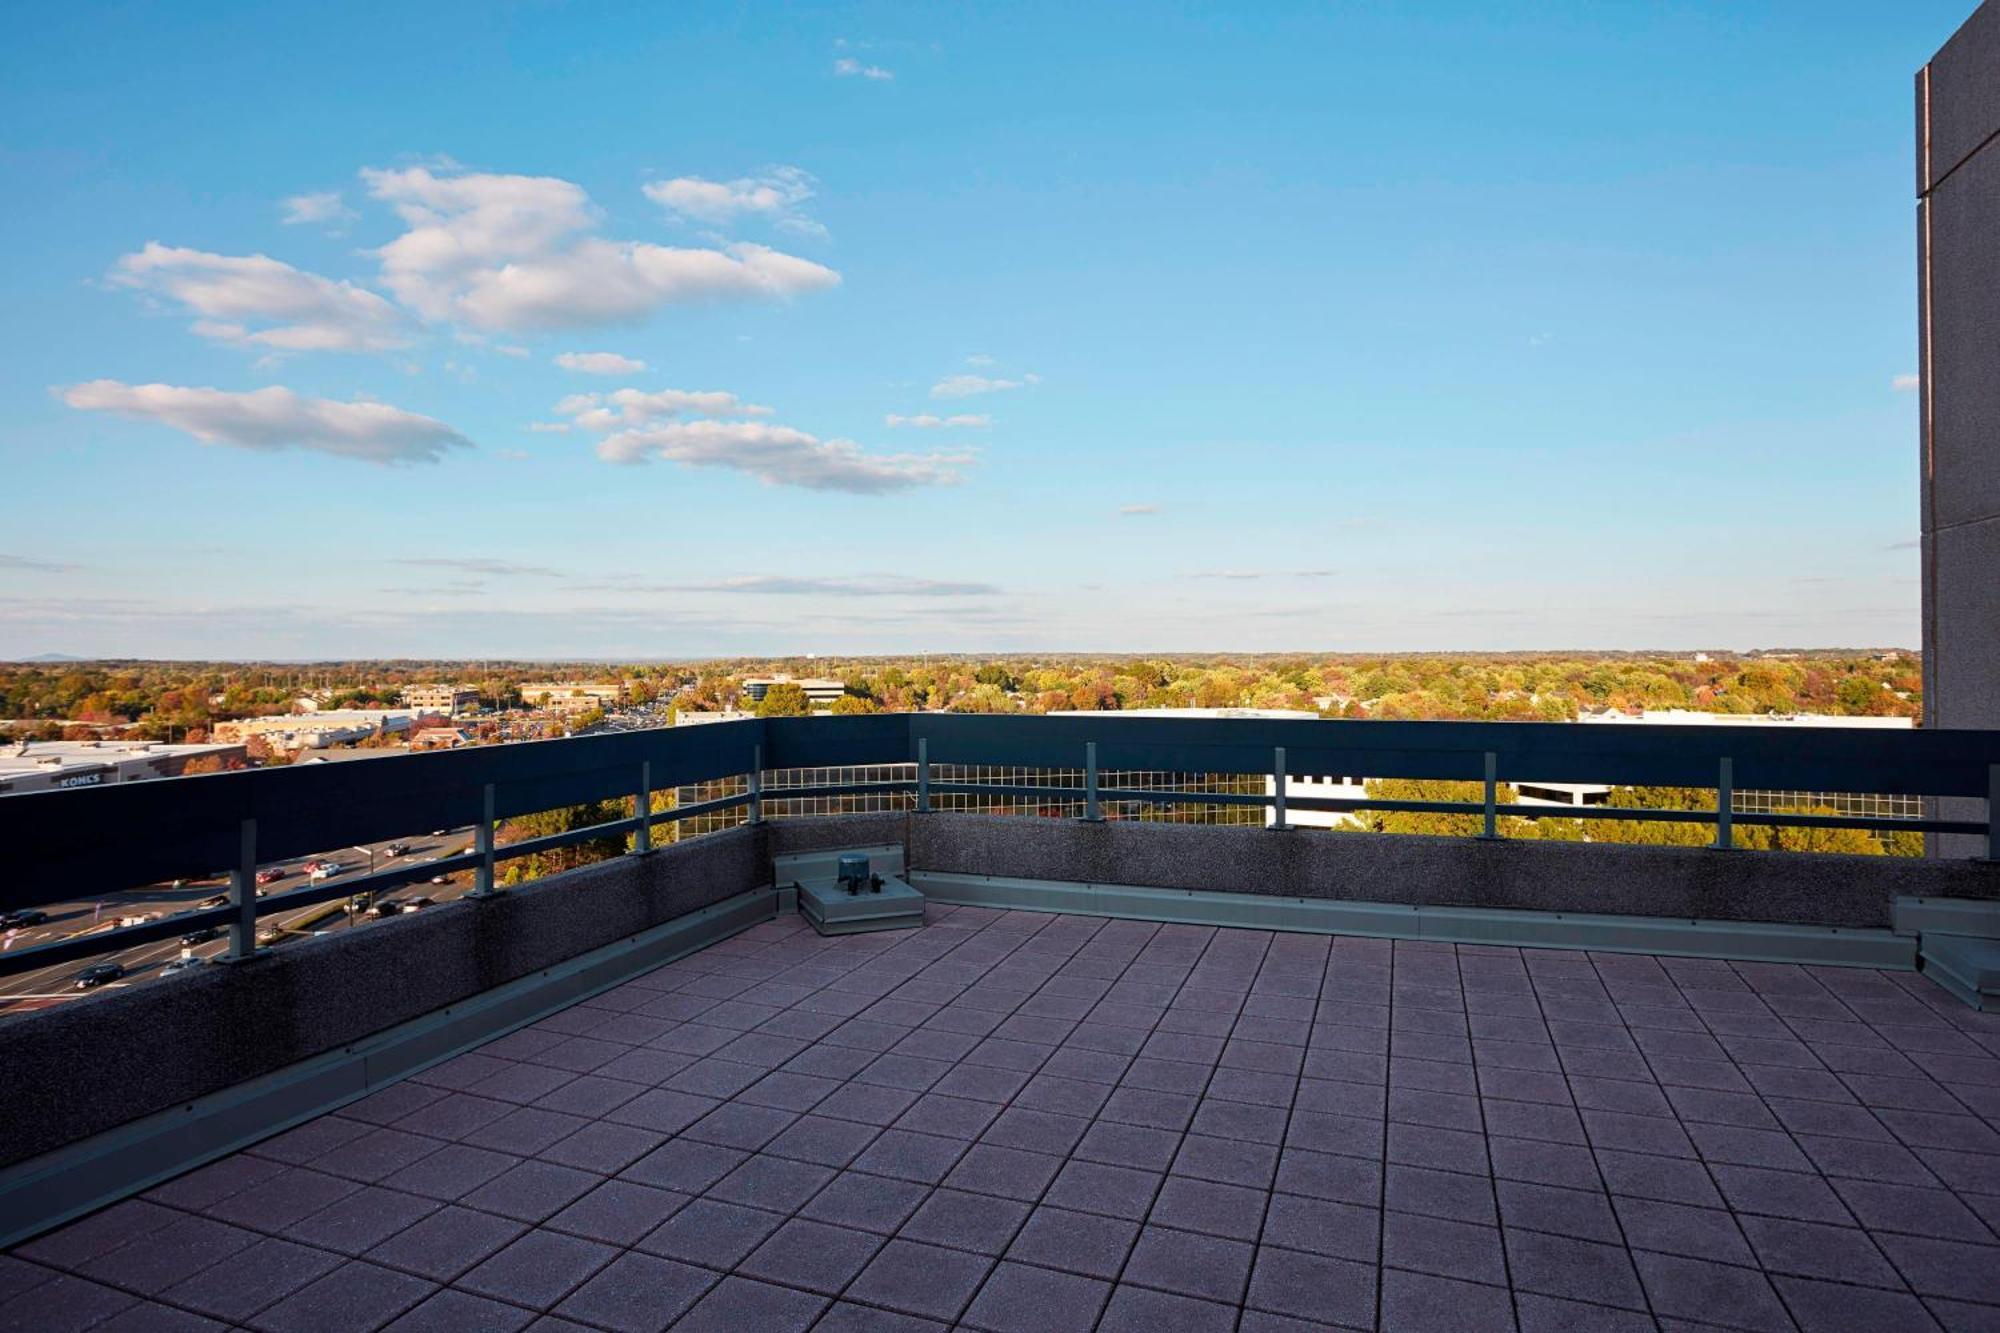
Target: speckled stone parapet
(1696, 883)
(89, 1065)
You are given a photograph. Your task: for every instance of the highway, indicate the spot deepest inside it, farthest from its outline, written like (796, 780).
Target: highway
(53, 985)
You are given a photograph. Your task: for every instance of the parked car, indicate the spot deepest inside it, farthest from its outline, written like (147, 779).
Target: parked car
(199, 935)
(27, 916)
(183, 964)
(97, 974)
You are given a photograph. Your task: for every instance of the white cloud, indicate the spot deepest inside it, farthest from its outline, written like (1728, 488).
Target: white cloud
(1138, 511)
(777, 194)
(847, 67)
(867, 585)
(680, 426)
(782, 456)
(599, 363)
(30, 565)
(480, 565)
(965, 386)
(549, 427)
(1245, 574)
(981, 359)
(514, 252)
(1906, 383)
(325, 208)
(276, 418)
(636, 407)
(926, 421)
(229, 293)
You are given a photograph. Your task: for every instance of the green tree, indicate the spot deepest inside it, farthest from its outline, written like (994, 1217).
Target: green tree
(1792, 838)
(1434, 822)
(784, 700)
(563, 819)
(1654, 832)
(853, 705)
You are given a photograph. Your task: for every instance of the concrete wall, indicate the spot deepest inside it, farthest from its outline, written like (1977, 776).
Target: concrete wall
(1958, 263)
(96, 1063)
(1682, 882)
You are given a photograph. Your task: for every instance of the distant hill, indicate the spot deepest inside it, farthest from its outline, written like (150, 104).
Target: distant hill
(55, 657)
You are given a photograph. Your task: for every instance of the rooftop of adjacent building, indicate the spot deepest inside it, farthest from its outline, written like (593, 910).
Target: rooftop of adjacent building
(1693, 717)
(40, 756)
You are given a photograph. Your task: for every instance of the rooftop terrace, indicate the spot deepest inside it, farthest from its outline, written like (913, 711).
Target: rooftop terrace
(1009, 1120)
(1126, 1075)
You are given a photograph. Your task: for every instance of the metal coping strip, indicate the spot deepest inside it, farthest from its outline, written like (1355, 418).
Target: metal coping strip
(1743, 941)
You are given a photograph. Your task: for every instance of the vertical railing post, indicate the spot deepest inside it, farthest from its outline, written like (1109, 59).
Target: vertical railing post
(1491, 827)
(923, 776)
(1725, 804)
(1091, 813)
(1278, 777)
(482, 843)
(243, 894)
(642, 808)
(756, 784)
(1993, 812)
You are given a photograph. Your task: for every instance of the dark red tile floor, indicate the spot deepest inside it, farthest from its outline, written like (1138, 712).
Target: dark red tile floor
(1011, 1121)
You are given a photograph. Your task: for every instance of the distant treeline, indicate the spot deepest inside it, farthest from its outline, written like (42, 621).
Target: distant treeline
(179, 699)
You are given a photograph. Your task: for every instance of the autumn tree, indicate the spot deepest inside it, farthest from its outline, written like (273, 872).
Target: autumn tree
(784, 700)
(1437, 823)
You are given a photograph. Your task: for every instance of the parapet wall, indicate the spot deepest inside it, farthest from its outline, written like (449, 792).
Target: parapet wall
(1520, 875)
(89, 1065)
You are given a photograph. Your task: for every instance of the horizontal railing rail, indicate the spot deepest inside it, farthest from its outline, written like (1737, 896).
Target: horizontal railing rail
(87, 842)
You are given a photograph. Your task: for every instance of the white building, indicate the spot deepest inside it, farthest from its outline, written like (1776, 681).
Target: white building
(1325, 786)
(1353, 787)
(571, 696)
(448, 700)
(56, 765)
(819, 692)
(1331, 786)
(692, 718)
(1573, 794)
(313, 731)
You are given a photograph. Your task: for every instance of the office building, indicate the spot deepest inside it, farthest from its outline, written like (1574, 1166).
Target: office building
(446, 700)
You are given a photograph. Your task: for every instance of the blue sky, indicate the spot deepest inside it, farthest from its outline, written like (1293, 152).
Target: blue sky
(1318, 327)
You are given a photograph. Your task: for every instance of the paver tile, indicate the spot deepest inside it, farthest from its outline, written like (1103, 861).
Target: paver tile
(1009, 1120)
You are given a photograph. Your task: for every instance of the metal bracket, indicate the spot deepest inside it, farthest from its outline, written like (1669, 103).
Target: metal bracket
(1092, 814)
(1278, 777)
(1490, 830)
(482, 843)
(642, 808)
(1725, 805)
(243, 897)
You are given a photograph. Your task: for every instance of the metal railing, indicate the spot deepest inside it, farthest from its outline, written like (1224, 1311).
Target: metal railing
(106, 839)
